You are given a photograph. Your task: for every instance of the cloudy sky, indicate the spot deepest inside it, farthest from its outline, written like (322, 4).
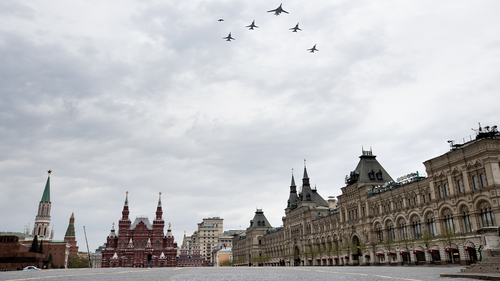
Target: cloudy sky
(146, 97)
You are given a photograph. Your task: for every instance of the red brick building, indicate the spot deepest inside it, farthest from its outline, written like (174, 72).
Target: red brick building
(14, 246)
(133, 243)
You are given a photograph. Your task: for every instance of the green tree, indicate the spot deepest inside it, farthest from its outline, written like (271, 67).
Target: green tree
(77, 262)
(363, 247)
(34, 245)
(406, 242)
(40, 248)
(448, 238)
(50, 261)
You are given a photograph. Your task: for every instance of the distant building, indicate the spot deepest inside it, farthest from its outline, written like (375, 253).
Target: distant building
(209, 231)
(222, 255)
(133, 243)
(96, 258)
(191, 258)
(377, 220)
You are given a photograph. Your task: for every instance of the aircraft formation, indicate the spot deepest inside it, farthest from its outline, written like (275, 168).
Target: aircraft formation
(277, 12)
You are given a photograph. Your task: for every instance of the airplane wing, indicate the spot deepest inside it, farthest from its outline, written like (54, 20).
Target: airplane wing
(284, 11)
(273, 11)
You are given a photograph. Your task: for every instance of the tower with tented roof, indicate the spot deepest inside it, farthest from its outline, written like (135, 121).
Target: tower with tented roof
(41, 227)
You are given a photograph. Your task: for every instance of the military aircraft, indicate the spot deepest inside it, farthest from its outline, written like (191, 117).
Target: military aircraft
(278, 10)
(296, 28)
(252, 25)
(229, 37)
(313, 49)
(220, 19)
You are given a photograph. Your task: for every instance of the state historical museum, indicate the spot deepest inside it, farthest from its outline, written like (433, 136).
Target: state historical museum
(134, 241)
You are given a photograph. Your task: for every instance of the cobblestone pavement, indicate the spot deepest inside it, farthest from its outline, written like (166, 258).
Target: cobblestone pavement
(356, 273)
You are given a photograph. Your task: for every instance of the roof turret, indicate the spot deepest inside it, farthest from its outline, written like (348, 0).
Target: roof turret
(260, 220)
(368, 170)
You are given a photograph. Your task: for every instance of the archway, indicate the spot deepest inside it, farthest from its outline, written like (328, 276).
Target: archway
(356, 253)
(296, 256)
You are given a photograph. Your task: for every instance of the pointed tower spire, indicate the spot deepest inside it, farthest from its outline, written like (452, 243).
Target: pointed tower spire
(70, 236)
(70, 232)
(42, 220)
(125, 211)
(159, 211)
(292, 199)
(305, 178)
(46, 191)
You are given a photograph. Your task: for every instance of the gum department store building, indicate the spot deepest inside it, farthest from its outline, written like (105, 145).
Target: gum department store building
(378, 220)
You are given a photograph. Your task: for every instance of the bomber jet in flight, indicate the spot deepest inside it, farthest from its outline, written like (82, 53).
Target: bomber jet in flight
(296, 28)
(229, 37)
(278, 10)
(313, 49)
(252, 25)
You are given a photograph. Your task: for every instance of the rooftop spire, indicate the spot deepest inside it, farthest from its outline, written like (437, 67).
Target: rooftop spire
(126, 199)
(125, 211)
(305, 170)
(46, 192)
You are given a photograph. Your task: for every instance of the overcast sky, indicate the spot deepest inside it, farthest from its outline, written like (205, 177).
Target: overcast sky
(146, 97)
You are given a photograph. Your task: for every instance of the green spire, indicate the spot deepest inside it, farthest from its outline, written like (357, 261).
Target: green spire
(46, 192)
(70, 232)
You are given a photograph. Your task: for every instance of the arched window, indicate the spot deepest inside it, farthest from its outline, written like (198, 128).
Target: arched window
(403, 232)
(449, 222)
(391, 235)
(380, 233)
(157, 244)
(466, 219)
(431, 224)
(417, 227)
(487, 217)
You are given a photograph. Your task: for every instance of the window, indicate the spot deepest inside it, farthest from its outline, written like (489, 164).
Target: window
(467, 221)
(423, 197)
(390, 233)
(487, 216)
(483, 180)
(446, 190)
(417, 228)
(449, 222)
(440, 189)
(431, 225)
(474, 182)
(380, 234)
(402, 229)
(460, 186)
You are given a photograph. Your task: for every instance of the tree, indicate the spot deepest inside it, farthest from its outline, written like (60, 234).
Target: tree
(406, 242)
(40, 248)
(363, 247)
(77, 262)
(50, 261)
(448, 237)
(347, 249)
(34, 245)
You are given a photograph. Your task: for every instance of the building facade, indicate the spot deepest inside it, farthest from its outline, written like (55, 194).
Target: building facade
(54, 252)
(133, 243)
(209, 232)
(378, 220)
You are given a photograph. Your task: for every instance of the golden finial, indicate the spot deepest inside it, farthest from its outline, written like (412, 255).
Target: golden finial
(160, 194)
(169, 225)
(127, 192)
(49, 171)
